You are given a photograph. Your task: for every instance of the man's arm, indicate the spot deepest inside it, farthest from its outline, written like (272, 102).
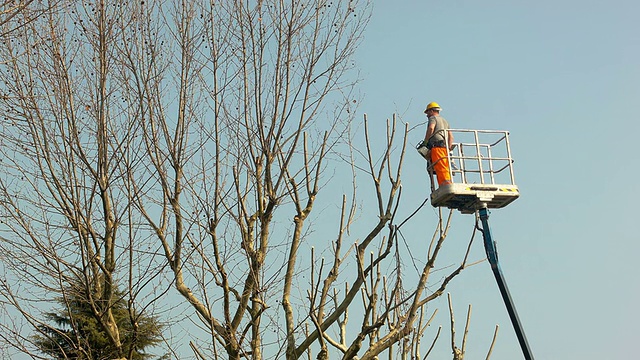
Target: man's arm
(430, 129)
(450, 139)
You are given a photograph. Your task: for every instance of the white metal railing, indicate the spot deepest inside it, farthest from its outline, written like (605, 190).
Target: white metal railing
(480, 157)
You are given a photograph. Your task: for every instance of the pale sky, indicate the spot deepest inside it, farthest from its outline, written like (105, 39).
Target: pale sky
(564, 78)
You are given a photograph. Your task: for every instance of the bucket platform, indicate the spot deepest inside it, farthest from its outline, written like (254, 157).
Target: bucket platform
(482, 172)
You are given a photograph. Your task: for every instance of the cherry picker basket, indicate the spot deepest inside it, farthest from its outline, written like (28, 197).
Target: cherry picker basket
(482, 171)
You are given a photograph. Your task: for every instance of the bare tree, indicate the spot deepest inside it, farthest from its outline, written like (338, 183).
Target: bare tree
(181, 149)
(9, 9)
(29, 10)
(65, 188)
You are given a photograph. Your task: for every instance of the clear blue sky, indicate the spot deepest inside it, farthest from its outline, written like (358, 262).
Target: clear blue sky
(564, 78)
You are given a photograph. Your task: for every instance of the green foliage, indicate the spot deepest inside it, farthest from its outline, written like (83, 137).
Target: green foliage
(76, 331)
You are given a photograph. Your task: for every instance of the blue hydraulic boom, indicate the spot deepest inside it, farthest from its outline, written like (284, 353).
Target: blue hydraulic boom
(492, 255)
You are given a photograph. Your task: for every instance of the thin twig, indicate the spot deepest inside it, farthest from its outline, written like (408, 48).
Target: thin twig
(433, 343)
(493, 342)
(466, 331)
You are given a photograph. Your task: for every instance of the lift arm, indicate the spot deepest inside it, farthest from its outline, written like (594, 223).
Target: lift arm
(492, 255)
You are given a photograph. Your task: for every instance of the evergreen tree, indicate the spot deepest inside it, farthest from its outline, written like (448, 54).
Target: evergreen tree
(77, 333)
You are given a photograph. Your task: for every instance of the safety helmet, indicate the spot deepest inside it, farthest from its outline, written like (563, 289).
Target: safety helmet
(433, 105)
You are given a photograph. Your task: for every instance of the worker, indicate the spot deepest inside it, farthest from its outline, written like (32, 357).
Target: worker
(436, 143)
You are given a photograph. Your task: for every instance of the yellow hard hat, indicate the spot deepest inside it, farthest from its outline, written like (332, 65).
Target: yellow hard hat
(433, 105)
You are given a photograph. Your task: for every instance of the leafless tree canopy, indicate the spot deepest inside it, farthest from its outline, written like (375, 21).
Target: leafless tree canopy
(176, 150)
